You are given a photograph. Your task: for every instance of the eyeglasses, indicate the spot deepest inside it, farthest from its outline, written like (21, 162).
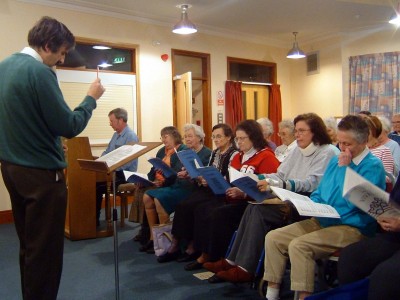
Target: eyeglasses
(240, 138)
(217, 137)
(396, 122)
(164, 137)
(301, 131)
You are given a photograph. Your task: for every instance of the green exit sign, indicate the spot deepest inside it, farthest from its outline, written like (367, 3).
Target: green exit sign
(119, 60)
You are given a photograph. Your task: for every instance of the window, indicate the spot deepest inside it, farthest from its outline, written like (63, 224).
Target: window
(84, 56)
(251, 71)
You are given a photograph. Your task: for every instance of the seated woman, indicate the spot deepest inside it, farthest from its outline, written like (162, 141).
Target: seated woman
(159, 203)
(305, 241)
(331, 127)
(392, 145)
(380, 259)
(300, 172)
(380, 151)
(182, 228)
(215, 221)
(268, 130)
(286, 133)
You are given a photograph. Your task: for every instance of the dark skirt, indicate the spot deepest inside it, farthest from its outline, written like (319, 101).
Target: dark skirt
(214, 224)
(183, 224)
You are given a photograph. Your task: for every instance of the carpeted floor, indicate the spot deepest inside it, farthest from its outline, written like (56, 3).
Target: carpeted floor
(89, 272)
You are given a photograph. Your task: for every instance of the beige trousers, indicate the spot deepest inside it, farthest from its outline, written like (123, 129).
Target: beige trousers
(303, 242)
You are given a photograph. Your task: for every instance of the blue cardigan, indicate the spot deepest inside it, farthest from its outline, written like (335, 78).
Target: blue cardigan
(330, 191)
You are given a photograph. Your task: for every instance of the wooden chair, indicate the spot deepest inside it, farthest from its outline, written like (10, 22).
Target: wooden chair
(123, 191)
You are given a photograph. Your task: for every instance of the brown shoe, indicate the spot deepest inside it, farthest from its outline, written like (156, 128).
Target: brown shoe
(235, 275)
(218, 266)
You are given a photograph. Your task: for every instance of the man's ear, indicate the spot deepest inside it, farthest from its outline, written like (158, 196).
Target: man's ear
(46, 48)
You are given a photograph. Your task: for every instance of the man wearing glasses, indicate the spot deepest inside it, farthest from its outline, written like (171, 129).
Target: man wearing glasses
(395, 134)
(123, 134)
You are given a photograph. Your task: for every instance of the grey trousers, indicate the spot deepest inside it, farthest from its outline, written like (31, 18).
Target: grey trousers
(256, 222)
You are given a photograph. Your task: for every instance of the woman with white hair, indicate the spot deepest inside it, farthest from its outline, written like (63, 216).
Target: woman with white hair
(331, 127)
(161, 202)
(268, 131)
(286, 133)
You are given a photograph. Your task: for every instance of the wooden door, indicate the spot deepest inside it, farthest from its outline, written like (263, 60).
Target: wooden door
(183, 89)
(255, 101)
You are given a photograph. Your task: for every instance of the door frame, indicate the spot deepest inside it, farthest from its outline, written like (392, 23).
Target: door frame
(206, 89)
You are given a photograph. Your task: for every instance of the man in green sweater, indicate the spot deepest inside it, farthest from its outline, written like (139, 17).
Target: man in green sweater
(33, 117)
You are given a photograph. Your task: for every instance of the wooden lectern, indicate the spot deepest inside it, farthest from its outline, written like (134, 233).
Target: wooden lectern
(82, 173)
(80, 222)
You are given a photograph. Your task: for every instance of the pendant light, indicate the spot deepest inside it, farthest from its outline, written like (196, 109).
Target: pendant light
(295, 52)
(184, 26)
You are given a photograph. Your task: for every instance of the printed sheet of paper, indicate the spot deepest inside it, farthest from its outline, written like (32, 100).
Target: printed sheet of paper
(304, 205)
(120, 154)
(367, 196)
(203, 275)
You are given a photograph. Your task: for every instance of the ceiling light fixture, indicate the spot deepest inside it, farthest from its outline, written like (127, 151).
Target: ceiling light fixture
(395, 19)
(101, 47)
(295, 52)
(184, 26)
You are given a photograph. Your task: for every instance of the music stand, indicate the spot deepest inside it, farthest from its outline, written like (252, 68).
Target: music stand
(108, 164)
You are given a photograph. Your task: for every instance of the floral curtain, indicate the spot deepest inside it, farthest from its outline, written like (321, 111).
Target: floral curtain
(233, 105)
(374, 83)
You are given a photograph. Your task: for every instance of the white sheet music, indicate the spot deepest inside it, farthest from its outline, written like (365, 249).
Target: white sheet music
(304, 205)
(120, 154)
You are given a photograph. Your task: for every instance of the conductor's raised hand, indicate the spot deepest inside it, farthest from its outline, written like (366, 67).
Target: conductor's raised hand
(96, 89)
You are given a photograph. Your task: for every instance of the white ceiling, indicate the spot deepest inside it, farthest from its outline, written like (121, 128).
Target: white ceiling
(267, 21)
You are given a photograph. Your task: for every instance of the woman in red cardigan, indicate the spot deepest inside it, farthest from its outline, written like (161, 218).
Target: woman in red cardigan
(215, 221)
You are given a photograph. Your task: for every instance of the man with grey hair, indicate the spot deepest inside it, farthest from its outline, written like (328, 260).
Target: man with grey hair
(286, 133)
(395, 134)
(123, 134)
(391, 144)
(268, 131)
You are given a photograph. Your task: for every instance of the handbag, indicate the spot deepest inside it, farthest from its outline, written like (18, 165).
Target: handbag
(162, 238)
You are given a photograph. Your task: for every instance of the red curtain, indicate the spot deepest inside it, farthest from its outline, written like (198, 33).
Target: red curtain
(275, 110)
(233, 103)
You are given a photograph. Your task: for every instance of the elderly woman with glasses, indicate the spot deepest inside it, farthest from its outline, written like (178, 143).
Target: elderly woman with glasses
(286, 133)
(300, 172)
(183, 223)
(159, 203)
(268, 130)
(215, 221)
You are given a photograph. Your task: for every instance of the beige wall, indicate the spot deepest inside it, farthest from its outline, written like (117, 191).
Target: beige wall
(321, 93)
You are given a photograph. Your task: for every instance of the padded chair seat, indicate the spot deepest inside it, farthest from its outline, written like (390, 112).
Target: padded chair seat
(126, 187)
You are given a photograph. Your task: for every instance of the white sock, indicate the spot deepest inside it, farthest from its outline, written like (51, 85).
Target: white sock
(272, 294)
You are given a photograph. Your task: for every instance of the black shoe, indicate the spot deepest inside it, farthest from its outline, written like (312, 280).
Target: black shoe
(150, 251)
(215, 279)
(185, 257)
(167, 257)
(149, 245)
(195, 265)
